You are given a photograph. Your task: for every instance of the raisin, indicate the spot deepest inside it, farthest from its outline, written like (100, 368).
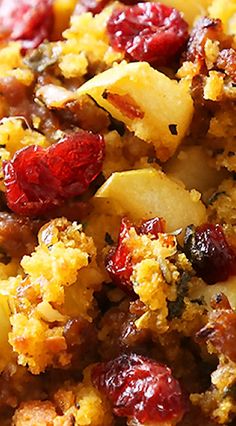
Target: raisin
(210, 29)
(27, 21)
(220, 331)
(208, 250)
(140, 388)
(226, 61)
(119, 259)
(149, 32)
(204, 29)
(17, 235)
(38, 179)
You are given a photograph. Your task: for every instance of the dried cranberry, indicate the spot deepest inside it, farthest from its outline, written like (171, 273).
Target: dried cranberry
(119, 259)
(27, 21)
(208, 250)
(153, 226)
(140, 388)
(149, 32)
(38, 179)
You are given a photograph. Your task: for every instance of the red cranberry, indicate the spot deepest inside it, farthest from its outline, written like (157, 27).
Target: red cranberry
(140, 388)
(153, 226)
(27, 21)
(119, 260)
(149, 32)
(38, 179)
(208, 250)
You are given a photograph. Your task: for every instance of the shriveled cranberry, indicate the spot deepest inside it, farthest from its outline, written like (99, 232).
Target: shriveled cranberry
(27, 21)
(140, 388)
(149, 32)
(119, 259)
(208, 250)
(38, 179)
(153, 226)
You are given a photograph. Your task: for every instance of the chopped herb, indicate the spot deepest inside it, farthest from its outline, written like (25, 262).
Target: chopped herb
(173, 129)
(117, 125)
(218, 151)
(214, 197)
(151, 160)
(45, 56)
(176, 308)
(200, 301)
(108, 239)
(105, 94)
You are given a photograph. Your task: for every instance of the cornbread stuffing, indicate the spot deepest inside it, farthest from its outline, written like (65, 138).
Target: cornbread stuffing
(117, 213)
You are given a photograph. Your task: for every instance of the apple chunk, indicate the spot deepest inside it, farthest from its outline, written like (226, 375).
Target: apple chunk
(207, 292)
(147, 193)
(157, 109)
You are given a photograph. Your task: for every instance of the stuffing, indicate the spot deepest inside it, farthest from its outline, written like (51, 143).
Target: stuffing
(12, 64)
(43, 299)
(79, 404)
(222, 203)
(87, 45)
(117, 213)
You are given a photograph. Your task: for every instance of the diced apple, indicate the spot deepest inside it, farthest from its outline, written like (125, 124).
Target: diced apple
(147, 193)
(157, 109)
(208, 291)
(185, 167)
